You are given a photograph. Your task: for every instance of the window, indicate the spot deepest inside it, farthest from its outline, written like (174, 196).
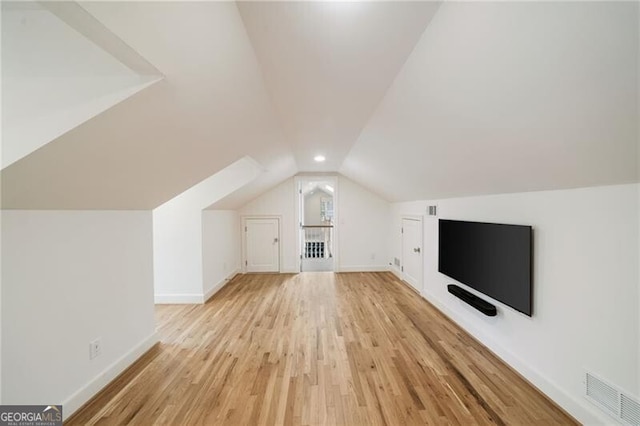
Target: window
(326, 209)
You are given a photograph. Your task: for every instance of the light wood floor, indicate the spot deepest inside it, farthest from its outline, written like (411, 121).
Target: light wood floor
(317, 348)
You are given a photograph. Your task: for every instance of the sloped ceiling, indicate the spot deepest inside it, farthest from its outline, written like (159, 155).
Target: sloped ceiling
(328, 64)
(411, 100)
(508, 97)
(54, 78)
(210, 110)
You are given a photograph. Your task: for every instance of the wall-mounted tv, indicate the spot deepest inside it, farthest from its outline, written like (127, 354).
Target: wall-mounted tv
(492, 258)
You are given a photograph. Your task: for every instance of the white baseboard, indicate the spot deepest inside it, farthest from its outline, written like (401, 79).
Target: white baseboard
(582, 410)
(363, 268)
(178, 299)
(192, 298)
(395, 271)
(88, 391)
(219, 285)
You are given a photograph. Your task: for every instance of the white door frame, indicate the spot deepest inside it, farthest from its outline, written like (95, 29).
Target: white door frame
(402, 273)
(336, 216)
(243, 235)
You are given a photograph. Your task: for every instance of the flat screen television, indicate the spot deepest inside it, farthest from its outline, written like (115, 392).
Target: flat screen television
(492, 258)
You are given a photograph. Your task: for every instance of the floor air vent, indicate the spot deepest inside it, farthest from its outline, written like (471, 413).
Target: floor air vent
(602, 394)
(612, 400)
(629, 410)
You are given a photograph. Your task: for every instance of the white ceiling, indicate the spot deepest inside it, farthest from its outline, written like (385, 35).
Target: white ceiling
(53, 83)
(408, 99)
(310, 187)
(508, 97)
(326, 66)
(210, 110)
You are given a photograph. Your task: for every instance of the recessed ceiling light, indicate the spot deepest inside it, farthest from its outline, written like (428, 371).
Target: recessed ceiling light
(319, 158)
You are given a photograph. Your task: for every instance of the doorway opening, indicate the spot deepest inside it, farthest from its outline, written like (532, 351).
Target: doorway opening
(317, 213)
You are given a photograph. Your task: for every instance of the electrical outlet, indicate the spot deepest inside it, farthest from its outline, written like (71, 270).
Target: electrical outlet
(373, 256)
(95, 348)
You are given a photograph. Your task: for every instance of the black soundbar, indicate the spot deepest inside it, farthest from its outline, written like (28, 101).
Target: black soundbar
(473, 300)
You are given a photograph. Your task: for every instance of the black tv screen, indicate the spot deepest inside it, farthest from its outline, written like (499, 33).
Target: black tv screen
(492, 258)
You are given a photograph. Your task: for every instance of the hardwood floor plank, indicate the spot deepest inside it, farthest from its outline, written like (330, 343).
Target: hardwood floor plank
(314, 349)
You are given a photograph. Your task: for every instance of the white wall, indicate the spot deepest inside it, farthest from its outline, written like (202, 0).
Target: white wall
(362, 234)
(1, 159)
(177, 256)
(220, 248)
(279, 201)
(363, 228)
(177, 233)
(68, 278)
(586, 301)
(638, 171)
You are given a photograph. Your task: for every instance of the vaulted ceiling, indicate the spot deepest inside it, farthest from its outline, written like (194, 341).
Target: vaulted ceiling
(413, 100)
(509, 97)
(327, 65)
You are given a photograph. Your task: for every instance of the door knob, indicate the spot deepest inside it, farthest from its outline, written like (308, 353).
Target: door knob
(416, 250)
(275, 240)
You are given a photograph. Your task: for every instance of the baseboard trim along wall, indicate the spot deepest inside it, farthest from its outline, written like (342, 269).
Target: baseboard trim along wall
(88, 391)
(364, 268)
(395, 271)
(216, 288)
(178, 299)
(581, 410)
(193, 298)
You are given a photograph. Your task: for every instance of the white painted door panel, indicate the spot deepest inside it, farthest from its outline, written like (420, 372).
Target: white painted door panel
(412, 252)
(262, 245)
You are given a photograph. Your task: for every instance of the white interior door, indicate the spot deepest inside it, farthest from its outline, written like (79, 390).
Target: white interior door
(412, 252)
(262, 245)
